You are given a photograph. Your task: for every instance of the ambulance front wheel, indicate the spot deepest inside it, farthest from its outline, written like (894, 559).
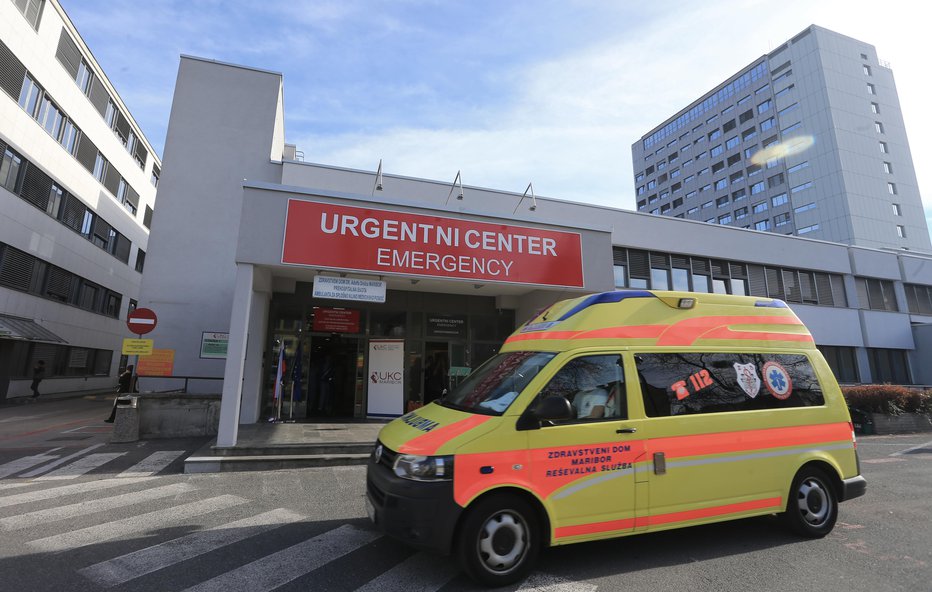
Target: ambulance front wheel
(812, 508)
(499, 540)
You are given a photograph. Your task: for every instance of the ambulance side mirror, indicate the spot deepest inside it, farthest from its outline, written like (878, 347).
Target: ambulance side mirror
(550, 409)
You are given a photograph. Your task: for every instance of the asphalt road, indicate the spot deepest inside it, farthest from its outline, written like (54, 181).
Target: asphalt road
(135, 522)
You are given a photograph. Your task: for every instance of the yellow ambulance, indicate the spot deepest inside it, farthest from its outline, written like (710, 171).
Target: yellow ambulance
(615, 414)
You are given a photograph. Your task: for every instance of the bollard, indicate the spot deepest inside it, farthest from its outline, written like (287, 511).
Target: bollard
(126, 424)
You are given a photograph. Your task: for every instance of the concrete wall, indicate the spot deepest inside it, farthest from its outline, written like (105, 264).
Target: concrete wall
(221, 132)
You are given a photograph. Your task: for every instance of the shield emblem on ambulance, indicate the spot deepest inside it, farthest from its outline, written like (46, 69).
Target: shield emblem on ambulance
(748, 379)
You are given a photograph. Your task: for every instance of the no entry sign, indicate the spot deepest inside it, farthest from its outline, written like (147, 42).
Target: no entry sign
(141, 321)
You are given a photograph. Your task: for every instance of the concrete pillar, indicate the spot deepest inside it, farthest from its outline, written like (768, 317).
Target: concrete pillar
(864, 364)
(236, 357)
(251, 399)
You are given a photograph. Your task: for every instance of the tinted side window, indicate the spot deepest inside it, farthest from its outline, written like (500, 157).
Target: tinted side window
(690, 383)
(594, 386)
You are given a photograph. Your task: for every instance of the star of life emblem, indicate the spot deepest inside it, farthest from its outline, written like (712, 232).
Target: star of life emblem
(748, 379)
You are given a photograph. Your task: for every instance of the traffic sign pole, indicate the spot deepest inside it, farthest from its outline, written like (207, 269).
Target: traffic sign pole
(140, 322)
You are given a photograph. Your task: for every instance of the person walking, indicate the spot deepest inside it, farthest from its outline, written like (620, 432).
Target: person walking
(124, 385)
(38, 373)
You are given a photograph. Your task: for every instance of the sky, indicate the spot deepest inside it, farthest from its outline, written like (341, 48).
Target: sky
(509, 92)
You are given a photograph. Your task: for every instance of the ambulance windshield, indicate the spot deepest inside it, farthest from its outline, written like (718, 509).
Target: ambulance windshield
(494, 386)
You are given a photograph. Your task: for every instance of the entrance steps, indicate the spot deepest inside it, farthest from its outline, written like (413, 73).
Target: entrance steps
(294, 456)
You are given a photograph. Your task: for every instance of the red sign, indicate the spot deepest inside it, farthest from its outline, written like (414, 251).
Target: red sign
(141, 321)
(336, 320)
(382, 241)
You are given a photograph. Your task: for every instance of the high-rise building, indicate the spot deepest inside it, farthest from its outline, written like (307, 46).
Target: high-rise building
(77, 191)
(807, 140)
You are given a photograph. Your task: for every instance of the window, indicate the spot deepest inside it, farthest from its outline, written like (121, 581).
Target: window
(871, 90)
(799, 188)
(781, 219)
(804, 208)
(741, 213)
(29, 95)
(594, 386)
(761, 89)
(883, 148)
(875, 294)
(888, 365)
(736, 177)
(798, 167)
(757, 188)
(651, 184)
(83, 78)
(100, 167)
(9, 170)
(842, 361)
(888, 168)
(901, 231)
(729, 125)
(733, 159)
(69, 137)
(765, 106)
(875, 108)
(878, 127)
(918, 298)
(775, 180)
(732, 142)
(778, 200)
(50, 117)
(721, 202)
(788, 108)
(724, 219)
(689, 179)
(891, 188)
(744, 100)
(110, 114)
(739, 194)
(31, 9)
(716, 151)
(807, 229)
(786, 74)
(692, 210)
(715, 134)
(762, 225)
(748, 134)
(791, 128)
(706, 187)
(703, 171)
(759, 207)
(784, 91)
(140, 260)
(718, 166)
(707, 205)
(55, 198)
(754, 169)
(728, 109)
(693, 383)
(896, 210)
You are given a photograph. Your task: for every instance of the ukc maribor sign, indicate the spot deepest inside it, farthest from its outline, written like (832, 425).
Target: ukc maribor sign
(386, 242)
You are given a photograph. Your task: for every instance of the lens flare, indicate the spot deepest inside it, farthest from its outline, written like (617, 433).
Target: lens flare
(787, 147)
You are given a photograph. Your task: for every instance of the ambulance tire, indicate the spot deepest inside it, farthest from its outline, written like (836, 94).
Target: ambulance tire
(812, 508)
(499, 540)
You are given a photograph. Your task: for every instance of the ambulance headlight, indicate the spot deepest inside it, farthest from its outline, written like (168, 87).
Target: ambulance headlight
(424, 468)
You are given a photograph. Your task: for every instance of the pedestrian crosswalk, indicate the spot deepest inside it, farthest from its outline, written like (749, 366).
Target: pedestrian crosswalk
(53, 465)
(135, 531)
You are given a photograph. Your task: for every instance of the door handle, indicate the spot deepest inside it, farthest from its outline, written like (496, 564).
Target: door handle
(626, 430)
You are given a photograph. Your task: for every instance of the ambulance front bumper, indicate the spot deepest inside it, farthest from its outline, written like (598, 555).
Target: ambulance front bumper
(419, 513)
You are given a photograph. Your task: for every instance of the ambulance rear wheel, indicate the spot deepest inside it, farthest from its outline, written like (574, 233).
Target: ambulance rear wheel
(499, 540)
(812, 507)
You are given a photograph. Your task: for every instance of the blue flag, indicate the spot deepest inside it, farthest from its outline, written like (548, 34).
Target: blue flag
(296, 371)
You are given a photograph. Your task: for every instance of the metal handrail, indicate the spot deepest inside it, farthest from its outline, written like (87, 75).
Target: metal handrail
(186, 379)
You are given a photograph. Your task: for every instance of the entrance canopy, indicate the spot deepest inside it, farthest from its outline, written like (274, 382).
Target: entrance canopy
(26, 330)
